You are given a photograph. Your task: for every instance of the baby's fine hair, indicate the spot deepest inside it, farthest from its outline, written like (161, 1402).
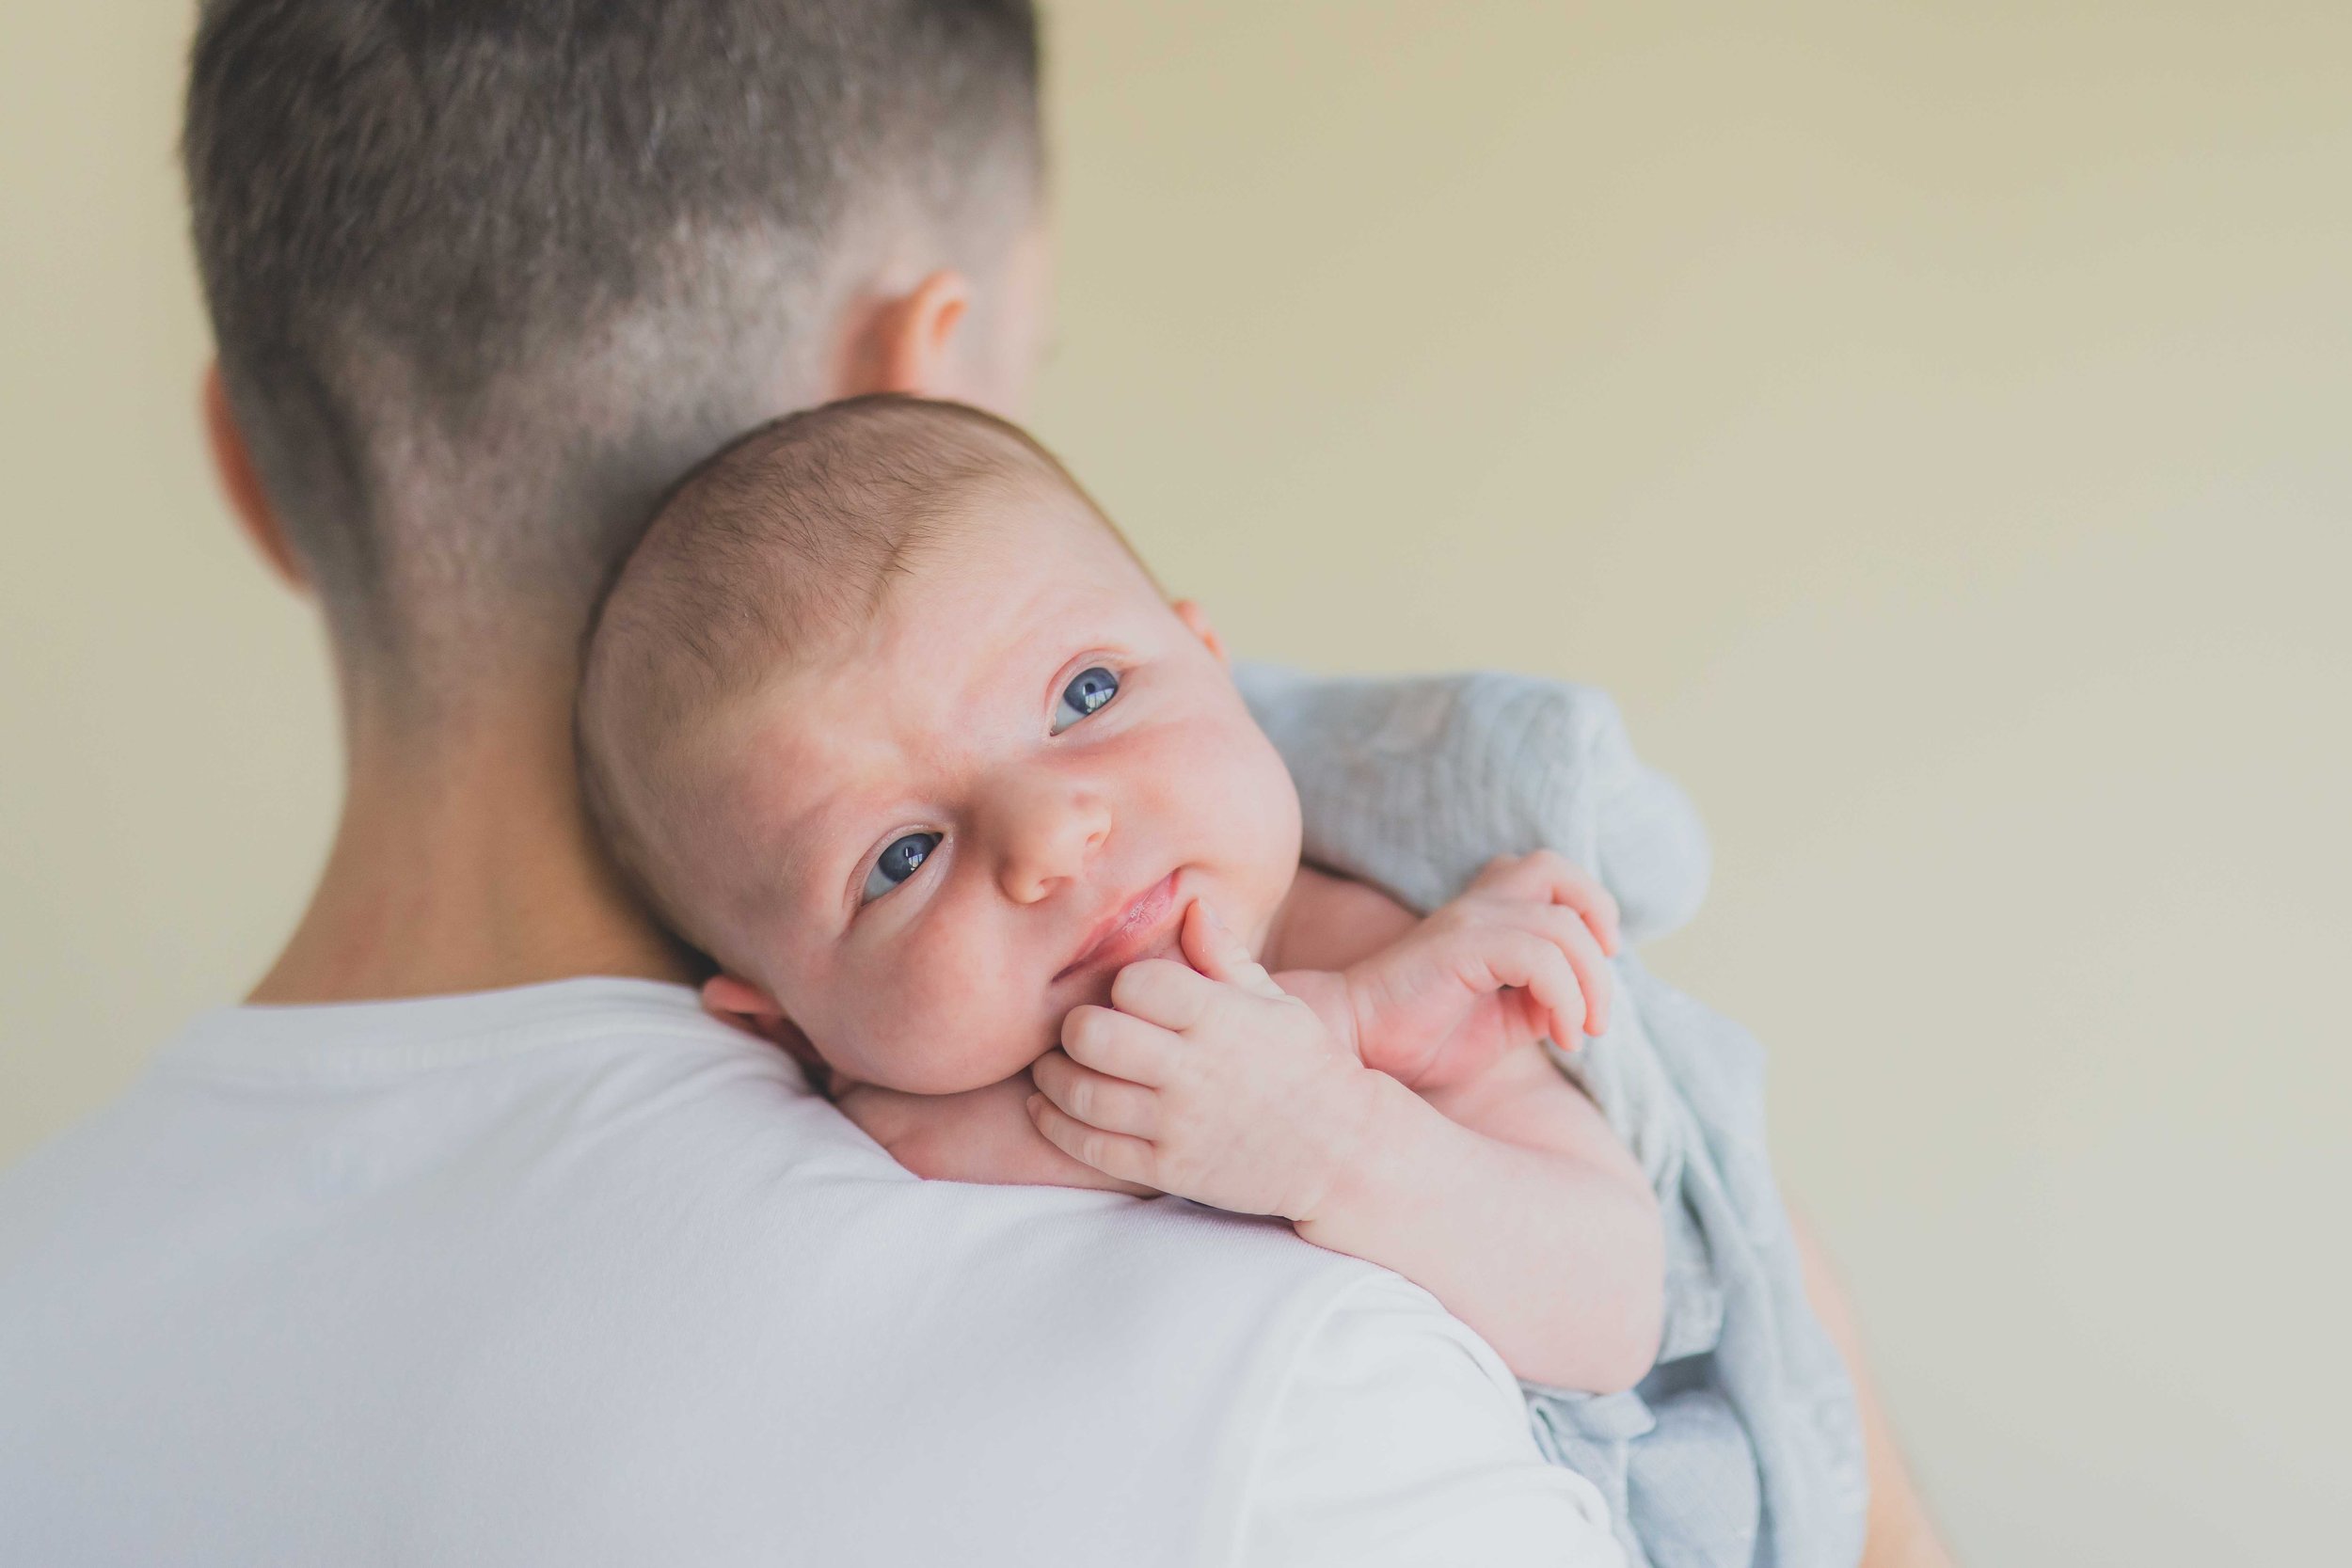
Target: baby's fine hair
(782, 543)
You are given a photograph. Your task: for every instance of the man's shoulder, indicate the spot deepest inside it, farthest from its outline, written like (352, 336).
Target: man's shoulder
(637, 1265)
(1402, 1438)
(604, 1151)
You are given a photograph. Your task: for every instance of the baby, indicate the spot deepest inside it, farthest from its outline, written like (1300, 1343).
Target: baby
(888, 720)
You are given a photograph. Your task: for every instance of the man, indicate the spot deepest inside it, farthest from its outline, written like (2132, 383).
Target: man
(471, 1238)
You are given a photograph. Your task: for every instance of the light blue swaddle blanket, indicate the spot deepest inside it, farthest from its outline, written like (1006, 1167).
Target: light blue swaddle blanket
(1742, 1449)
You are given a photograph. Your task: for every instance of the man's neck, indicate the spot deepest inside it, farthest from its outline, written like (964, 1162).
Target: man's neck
(464, 862)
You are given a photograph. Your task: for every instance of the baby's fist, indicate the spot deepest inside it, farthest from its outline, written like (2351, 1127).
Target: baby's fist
(1522, 954)
(1209, 1082)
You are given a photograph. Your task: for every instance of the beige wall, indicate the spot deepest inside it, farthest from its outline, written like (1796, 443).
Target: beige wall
(1931, 421)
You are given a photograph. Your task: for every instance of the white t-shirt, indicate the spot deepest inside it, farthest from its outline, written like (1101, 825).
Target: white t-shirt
(574, 1275)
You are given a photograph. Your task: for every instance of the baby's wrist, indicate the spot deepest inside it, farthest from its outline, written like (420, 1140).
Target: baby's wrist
(1330, 997)
(1372, 1135)
(1371, 1021)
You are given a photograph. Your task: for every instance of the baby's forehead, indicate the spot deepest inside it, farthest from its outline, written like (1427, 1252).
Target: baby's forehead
(998, 582)
(962, 643)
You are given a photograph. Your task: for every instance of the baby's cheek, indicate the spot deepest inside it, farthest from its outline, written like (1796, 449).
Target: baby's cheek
(1224, 778)
(947, 1023)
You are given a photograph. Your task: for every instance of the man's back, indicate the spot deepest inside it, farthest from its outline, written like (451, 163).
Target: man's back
(572, 1271)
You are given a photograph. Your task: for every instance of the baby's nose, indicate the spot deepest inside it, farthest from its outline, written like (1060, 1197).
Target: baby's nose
(1050, 835)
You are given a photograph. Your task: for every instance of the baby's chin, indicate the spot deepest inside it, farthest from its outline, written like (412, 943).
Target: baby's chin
(964, 1071)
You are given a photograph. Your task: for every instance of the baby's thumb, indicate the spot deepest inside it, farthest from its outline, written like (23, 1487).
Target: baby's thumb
(1212, 949)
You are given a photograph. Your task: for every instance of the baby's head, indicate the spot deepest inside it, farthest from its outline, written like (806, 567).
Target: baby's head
(885, 717)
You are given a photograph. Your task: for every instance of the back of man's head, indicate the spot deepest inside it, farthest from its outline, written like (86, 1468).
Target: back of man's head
(487, 274)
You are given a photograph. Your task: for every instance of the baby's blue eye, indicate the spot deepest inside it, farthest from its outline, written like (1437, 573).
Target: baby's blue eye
(895, 865)
(1086, 693)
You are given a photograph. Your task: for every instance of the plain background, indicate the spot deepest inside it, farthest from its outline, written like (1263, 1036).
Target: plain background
(1933, 422)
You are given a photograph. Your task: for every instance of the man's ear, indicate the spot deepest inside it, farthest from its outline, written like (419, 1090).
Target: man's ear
(901, 343)
(1195, 620)
(754, 1011)
(232, 462)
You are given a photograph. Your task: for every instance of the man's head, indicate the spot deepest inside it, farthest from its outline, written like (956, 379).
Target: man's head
(487, 274)
(885, 717)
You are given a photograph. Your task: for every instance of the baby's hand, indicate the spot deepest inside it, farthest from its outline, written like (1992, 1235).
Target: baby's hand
(1211, 1082)
(1520, 956)
(981, 1135)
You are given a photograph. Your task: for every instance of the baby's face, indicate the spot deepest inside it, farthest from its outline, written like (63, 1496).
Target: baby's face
(1008, 786)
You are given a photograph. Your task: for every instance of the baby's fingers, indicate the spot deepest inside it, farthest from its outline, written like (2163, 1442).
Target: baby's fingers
(1219, 954)
(1566, 930)
(1163, 992)
(1552, 981)
(1534, 964)
(1129, 1159)
(1553, 879)
(1113, 1105)
(1110, 1041)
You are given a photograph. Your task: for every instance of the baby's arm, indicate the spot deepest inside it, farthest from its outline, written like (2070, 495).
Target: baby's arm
(1525, 1214)
(1526, 1217)
(1452, 1005)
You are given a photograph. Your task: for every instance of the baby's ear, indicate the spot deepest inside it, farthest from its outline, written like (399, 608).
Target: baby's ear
(754, 1011)
(743, 1003)
(1196, 620)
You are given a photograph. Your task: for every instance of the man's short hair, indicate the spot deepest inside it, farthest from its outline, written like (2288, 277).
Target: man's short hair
(486, 274)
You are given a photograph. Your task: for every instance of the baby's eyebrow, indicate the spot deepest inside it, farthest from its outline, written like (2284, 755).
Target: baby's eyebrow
(783, 852)
(808, 845)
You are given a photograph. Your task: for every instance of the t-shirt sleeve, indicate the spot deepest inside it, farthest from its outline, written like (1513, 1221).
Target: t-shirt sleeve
(1402, 1439)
